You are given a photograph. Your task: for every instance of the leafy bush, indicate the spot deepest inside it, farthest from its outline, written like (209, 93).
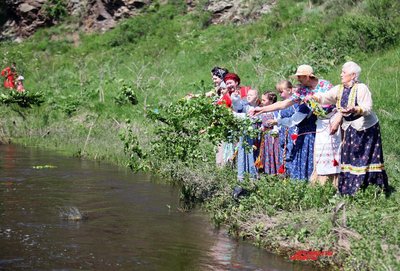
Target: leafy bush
(126, 94)
(24, 99)
(55, 9)
(66, 104)
(349, 27)
(386, 10)
(366, 33)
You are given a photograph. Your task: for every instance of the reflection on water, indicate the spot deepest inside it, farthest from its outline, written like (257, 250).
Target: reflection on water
(133, 222)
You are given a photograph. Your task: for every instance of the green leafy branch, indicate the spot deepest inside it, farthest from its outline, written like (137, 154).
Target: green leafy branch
(24, 99)
(184, 128)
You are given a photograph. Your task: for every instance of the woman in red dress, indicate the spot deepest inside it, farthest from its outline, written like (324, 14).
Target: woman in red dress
(9, 73)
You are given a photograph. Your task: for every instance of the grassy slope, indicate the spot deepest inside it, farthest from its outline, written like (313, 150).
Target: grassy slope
(166, 54)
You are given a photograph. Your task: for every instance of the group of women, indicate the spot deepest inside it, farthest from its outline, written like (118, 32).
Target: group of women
(316, 133)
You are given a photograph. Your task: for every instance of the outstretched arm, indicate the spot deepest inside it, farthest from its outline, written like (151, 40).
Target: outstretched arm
(292, 121)
(328, 97)
(273, 107)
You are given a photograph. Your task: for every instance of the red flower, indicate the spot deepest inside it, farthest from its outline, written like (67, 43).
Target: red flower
(335, 163)
(281, 169)
(294, 137)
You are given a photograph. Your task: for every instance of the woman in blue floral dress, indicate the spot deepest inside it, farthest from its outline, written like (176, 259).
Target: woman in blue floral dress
(302, 164)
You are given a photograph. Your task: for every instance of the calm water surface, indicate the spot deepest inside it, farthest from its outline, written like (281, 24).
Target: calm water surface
(134, 223)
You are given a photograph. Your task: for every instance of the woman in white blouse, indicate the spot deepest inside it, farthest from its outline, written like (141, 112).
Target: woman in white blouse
(361, 154)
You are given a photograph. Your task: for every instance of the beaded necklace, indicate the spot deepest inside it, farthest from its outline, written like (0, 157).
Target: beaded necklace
(352, 97)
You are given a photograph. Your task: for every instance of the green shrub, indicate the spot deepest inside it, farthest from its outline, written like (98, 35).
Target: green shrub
(366, 33)
(24, 99)
(55, 9)
(66, 104)
(386, 10)
(126, 94)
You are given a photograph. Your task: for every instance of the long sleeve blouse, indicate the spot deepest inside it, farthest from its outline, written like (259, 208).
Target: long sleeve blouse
(366, 117)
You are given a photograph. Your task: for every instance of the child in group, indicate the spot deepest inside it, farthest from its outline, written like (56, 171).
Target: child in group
(285, 89)
(20, 85)
(245, 156)
(269, 156)
(302, 154)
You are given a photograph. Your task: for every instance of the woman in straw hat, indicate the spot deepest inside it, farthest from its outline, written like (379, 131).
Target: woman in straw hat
(327, 137)
(361, 154)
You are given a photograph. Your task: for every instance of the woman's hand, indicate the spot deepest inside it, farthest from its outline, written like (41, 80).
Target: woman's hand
(255, 111)
(349, 110)
(210, 93)
(311, 97)
(272, 122)
(336, 123)
(236, 92)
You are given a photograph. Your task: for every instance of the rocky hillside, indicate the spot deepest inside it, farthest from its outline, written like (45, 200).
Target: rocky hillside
(21, 18)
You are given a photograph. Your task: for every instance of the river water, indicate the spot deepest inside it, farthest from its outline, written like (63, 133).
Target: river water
(133, 222)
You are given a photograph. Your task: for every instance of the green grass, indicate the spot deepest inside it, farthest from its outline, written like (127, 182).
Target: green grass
(166, 53)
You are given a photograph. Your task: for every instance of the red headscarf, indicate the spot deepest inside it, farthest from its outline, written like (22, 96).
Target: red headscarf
(232, 76)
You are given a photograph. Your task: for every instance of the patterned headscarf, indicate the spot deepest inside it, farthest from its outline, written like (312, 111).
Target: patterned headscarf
(219, 72)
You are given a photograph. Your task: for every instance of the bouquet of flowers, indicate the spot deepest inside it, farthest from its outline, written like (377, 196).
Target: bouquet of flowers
(315, 107)
(303, 95)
